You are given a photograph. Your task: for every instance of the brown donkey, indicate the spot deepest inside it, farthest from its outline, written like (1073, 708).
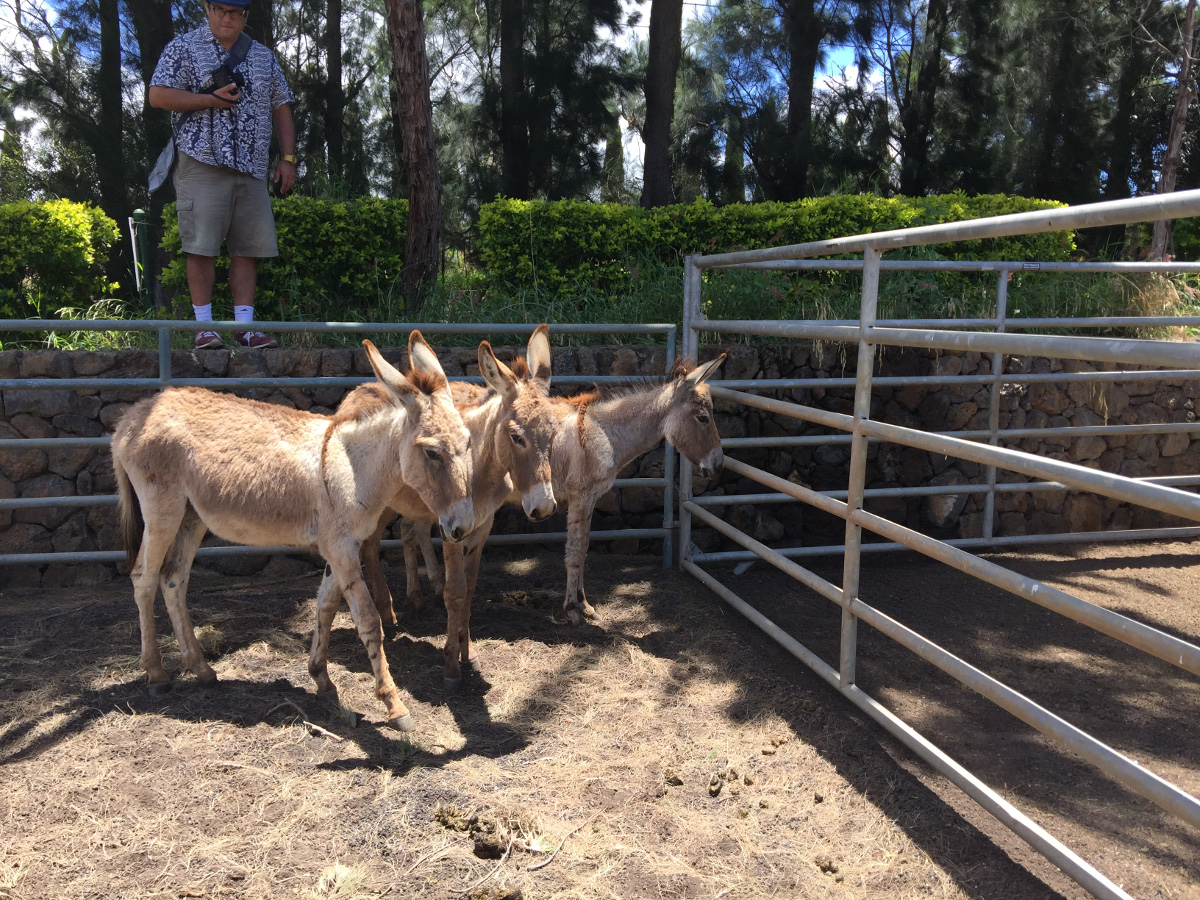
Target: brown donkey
(190, 460)
(511, 426)
(595, 438)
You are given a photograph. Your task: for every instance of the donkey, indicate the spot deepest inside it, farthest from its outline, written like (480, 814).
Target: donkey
(595, 438)
(189, 460)
(511, 426)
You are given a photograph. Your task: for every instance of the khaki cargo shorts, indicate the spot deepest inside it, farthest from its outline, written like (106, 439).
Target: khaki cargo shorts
(218, 205)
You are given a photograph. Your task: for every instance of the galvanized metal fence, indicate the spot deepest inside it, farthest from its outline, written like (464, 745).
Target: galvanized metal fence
(164, 330)
(981, 446)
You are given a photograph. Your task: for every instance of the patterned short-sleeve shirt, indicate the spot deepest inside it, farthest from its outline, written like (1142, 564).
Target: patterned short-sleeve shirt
(237, 138)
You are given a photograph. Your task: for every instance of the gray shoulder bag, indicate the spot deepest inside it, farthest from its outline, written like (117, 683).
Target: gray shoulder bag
(166, 160)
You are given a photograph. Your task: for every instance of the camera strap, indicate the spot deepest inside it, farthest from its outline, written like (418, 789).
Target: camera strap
(239, 51)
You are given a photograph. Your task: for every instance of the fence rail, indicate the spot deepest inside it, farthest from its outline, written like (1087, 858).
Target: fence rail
(165, 328)
(979, 446)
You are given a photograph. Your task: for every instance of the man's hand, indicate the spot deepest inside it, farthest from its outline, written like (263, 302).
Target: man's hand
(285, 176)
(230, 95)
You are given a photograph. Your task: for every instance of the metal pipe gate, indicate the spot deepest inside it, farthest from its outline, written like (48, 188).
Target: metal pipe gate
(165, 328)
(979, 446)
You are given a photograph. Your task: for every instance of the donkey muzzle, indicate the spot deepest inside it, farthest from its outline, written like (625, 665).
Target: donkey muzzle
(711, 464)
(538, 502)
(458, 522)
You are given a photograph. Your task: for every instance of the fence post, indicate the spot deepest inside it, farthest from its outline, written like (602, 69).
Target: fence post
(858, 465)
(989, 500)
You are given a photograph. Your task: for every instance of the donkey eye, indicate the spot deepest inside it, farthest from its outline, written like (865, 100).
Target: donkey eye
(518, 440)
(702, 418)
(432, 454)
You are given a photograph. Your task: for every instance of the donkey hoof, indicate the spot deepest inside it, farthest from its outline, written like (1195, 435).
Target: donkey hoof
(451, 685)
(574, 616)
(401, 723)
(473, 666)
(208, 681)
(588, 610)
(391, 632)
(158, 688)
(330, 696)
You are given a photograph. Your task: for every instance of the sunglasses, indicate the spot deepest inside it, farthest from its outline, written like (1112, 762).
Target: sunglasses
(226, 13)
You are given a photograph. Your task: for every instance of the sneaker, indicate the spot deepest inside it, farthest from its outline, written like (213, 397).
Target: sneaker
(208, 340)
(255, 340)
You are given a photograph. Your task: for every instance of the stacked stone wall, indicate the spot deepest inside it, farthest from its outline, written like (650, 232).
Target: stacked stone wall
(92, 412)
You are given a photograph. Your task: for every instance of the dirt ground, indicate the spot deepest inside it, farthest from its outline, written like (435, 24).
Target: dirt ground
(668, 751)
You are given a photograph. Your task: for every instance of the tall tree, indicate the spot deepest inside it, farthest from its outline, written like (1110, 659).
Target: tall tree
(1185, 91)
(666, 31)
(422, 245)
(514, 122)
(917, 109)
(335, 95)
(110, 132)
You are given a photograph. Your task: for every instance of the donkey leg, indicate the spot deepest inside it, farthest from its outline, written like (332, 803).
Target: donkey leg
(433, 566)
(457, 613)
(176, 572)
(373, 572)
(370, 632)
(162, 518)
(412, 578)
(472, 557)
(579, 521)
(329, 598)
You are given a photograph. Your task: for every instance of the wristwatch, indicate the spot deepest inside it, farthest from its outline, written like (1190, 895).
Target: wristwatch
(289, 157)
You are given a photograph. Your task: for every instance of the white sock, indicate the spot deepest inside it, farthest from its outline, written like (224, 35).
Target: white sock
(203, 313)
(243, 314)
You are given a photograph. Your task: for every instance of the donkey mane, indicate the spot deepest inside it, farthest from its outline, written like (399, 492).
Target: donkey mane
(362, 403)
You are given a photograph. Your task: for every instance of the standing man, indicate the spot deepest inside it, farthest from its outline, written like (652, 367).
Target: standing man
(222, 137)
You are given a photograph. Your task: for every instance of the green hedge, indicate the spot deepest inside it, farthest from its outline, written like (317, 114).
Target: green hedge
(337, 261)
(556, 244)
(52, 255)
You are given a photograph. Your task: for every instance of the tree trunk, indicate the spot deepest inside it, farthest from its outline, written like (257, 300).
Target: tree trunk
(514, 125)
(153, 29)
(804, 40)
(335, 95)
(109, 141)
(110, 165)
(1183, 98)
(262, 23)
(662, 68)
(422, 246)
(916, 119)
(399, 181)
(733, 174)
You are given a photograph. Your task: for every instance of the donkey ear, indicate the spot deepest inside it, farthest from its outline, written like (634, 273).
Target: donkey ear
(537, 355)
(498, 376)
(701, 374)
(421, 356)
(391, 377)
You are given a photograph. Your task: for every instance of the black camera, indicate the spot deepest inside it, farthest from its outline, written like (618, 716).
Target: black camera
(223, 75)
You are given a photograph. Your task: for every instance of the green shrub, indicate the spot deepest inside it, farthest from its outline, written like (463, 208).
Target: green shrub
(52, 255)
(554, 245)
(337, 261)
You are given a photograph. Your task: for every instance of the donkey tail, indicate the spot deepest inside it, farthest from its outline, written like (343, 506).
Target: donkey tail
(131, 512)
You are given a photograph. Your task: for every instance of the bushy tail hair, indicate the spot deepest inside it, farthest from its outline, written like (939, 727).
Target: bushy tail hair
(132, 523)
